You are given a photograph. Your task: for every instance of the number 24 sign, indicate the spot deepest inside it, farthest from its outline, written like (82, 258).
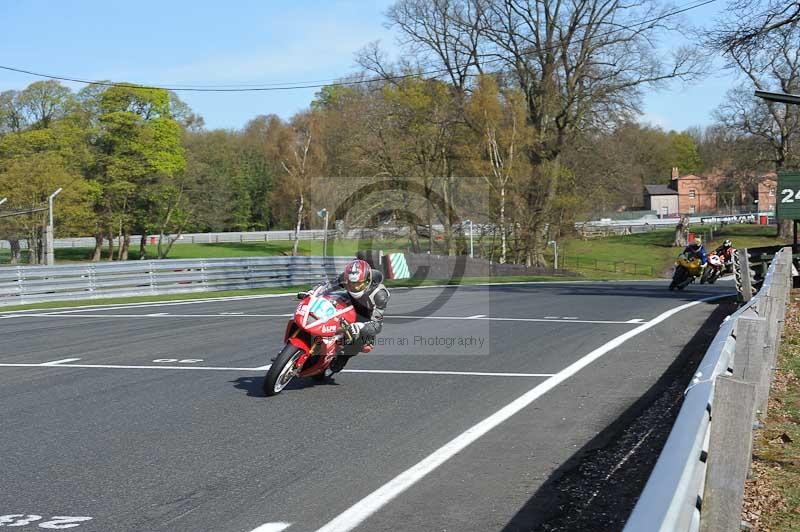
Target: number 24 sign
(788, 205)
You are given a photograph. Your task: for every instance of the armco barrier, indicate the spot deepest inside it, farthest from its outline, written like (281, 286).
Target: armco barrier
(698, 479)
(32, 284)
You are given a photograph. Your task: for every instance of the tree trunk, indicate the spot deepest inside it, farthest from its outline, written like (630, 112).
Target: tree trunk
(785, 229)
(503, 243)
(297, 228)
(110, 245)
(143, 246)
(98, 247)
(126, 244)
(682, 232)
(16, 250)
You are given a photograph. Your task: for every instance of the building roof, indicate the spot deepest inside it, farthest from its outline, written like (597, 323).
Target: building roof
(660, 190)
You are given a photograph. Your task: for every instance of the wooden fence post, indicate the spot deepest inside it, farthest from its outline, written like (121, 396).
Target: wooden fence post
(731, 439)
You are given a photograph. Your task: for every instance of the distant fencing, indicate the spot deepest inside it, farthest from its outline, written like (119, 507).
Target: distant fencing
(624, 267)
(33, 284)
(698, 480)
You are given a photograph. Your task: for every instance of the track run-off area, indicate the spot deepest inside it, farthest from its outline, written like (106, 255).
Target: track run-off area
(150, 416)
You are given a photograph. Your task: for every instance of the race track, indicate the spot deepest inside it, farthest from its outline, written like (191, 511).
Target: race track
(150, 417)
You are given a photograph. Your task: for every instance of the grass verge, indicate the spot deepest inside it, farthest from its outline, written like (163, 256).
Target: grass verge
(772, 495)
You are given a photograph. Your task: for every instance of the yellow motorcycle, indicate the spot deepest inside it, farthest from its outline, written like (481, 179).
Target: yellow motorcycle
(687, 269)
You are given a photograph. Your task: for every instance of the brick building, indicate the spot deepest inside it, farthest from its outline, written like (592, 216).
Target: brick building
(766, 193)
(695, 194)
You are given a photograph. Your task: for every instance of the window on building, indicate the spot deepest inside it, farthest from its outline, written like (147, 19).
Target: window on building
(692, 193)
(772, 191)
(692, 209)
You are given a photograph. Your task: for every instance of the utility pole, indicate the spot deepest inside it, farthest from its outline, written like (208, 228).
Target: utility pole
(324, 214)
(51, 260)
(555, 254)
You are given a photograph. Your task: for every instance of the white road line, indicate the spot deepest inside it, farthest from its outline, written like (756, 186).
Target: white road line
(57, 362)
(112, 366)
(468, 373)
(551, 317)
(117, 306)
(636, 320)
(157, 315)
(361, 510)
(570, 317)
(218, 315)
(494, 318)
(65, 364)
(272, 527)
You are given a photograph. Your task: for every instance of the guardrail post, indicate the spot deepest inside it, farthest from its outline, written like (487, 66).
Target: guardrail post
(152, 275)
(746, 281)
(21, 283)
(750, 361)
(731, 430)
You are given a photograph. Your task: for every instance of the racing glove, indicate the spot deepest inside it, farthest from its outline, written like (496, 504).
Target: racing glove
(354, 329)
(302, 295)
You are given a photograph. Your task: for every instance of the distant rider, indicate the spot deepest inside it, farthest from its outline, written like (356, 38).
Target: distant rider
(696, 250)
(365, 287)
(725, 250)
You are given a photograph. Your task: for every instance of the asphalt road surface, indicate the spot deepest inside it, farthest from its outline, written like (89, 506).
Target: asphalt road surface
(150, 417)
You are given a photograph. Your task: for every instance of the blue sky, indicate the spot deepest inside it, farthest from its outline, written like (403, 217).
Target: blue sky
(248, 42)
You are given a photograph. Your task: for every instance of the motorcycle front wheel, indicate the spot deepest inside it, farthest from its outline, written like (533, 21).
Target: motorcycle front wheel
(282, 370)
(678, 277)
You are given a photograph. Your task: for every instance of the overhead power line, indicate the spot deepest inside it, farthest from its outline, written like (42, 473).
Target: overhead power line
(269, 87)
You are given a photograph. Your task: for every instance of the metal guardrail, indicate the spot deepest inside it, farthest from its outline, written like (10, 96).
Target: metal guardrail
(32, 284)
(195, 238)
(674, 494)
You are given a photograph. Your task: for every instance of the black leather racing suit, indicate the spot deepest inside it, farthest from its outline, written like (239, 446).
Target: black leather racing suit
(369, 311)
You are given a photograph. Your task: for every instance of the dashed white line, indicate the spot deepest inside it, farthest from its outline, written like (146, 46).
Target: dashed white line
(272, 527)
(59, 362)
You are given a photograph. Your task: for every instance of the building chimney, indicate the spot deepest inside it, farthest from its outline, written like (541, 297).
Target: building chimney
(674, 173)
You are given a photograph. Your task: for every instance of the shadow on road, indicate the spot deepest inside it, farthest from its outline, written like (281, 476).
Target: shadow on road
(597, 488)
(253, 385)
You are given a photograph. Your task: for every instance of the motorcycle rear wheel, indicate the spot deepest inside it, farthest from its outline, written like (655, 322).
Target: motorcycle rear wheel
(282, 370)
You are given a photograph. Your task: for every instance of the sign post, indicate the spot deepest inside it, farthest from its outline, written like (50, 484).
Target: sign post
(787, 206)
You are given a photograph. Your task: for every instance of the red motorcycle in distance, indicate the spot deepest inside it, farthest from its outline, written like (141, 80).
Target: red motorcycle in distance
(313, 338)
(717, 265)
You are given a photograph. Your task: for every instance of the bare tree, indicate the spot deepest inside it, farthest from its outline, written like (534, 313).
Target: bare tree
(580, 65)
(774, 65)
(749, 22)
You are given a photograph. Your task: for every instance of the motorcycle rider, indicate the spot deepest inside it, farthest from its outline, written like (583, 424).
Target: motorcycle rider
(696, 250)
(724, 249)
(369, 297)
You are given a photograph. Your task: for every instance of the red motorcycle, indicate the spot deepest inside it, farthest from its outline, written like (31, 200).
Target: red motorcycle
(313, 338)
(714, 267)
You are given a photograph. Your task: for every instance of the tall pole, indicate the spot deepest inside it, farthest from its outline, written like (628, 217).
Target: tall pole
(325, 236)
(50, 239)
(471, 253)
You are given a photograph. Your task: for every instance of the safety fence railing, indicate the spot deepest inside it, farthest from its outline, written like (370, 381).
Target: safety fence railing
(698, 480)
(32, 284)
(585, 263)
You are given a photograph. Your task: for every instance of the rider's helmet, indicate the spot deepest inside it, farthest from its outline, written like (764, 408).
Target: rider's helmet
(727, 244)
(357, 277)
